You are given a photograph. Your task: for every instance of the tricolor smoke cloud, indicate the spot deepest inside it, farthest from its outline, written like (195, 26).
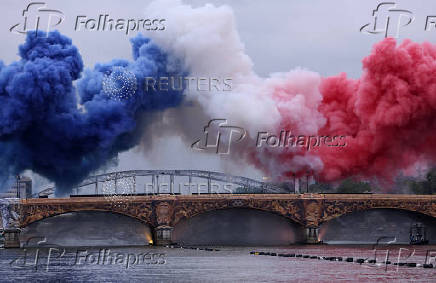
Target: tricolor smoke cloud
(386, 115)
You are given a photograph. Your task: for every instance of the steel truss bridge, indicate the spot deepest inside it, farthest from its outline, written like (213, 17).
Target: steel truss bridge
(209, 176)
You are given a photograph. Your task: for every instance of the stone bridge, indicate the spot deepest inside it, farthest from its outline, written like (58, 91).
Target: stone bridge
(163, 212)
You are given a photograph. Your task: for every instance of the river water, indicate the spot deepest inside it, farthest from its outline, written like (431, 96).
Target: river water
(222, 264)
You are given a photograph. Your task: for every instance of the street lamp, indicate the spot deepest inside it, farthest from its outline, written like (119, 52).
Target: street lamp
(18, 186)
(295, 185)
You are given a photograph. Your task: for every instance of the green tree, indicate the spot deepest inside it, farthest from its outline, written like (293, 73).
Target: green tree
(320, 188)
(427, 186)
(349, 186)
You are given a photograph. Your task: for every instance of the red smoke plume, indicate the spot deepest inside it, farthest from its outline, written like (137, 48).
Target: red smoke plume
(388, 118)
(388, 115)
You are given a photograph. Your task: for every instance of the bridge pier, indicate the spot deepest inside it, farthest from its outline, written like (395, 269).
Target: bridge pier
(11, 238)
(162, 235)
(312, 234)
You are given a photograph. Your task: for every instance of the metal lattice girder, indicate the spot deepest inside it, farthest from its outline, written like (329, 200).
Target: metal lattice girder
(216, 176)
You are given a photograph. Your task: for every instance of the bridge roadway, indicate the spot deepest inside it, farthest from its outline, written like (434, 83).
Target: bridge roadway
(163, 212)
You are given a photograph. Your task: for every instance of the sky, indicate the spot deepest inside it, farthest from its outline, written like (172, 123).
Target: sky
(321, 36)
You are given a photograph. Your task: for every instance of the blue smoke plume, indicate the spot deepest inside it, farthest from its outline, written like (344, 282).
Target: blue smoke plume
(65, 132)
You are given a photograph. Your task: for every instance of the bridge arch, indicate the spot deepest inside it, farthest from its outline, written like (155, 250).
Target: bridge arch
(413, 209)
(36, 209)
(369, 225)
(51, 214)
(239, 226)
(290, 210)
(87, 228)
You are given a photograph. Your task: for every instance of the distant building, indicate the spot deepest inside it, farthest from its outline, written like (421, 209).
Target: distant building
(21, 188)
